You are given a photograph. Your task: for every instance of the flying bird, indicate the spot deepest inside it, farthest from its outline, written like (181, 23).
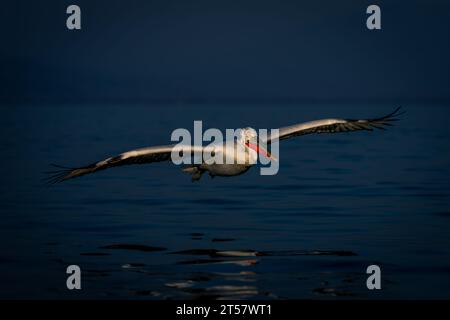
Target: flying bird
(243, 150)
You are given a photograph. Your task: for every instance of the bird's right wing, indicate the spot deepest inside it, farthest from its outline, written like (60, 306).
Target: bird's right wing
(138, 156)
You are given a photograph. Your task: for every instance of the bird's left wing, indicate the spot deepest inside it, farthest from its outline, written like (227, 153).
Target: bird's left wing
(335, 125)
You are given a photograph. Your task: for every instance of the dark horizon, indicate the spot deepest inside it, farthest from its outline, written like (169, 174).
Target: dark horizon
(171, 51)
(403, 102)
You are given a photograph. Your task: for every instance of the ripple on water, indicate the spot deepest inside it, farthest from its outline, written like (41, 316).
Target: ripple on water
(133, 247)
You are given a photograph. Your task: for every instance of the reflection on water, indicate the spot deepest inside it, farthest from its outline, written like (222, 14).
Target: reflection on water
(228, 274)
(338, 204)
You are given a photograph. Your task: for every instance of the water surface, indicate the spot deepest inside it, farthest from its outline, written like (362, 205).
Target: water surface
(338, 204)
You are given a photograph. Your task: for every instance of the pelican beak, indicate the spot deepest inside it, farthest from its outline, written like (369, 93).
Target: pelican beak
(261, 150)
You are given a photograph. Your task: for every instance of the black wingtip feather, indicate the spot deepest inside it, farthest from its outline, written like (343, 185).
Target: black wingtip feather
(397, 112)
(57, 176)
(61, 167)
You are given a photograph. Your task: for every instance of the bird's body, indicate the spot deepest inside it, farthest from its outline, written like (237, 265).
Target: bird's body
(243, 151)
(242, 160)
(216, 170)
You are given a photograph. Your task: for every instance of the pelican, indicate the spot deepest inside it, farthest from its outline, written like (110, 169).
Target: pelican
(247, 141)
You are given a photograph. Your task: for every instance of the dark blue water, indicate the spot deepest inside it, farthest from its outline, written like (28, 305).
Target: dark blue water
(338, 204)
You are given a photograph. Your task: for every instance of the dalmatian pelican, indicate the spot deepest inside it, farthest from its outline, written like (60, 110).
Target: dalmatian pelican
(245, 149)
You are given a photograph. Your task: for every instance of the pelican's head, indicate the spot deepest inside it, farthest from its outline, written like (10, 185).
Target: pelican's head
(247, 135)
(249, 138)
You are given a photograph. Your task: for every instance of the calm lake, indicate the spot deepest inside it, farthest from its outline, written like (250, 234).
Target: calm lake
(339, 203)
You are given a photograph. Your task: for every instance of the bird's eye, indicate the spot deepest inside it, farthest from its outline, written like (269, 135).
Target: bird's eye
(213, 153)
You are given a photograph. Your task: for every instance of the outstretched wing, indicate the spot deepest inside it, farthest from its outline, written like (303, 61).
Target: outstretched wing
(138, 156)
(336, 125)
